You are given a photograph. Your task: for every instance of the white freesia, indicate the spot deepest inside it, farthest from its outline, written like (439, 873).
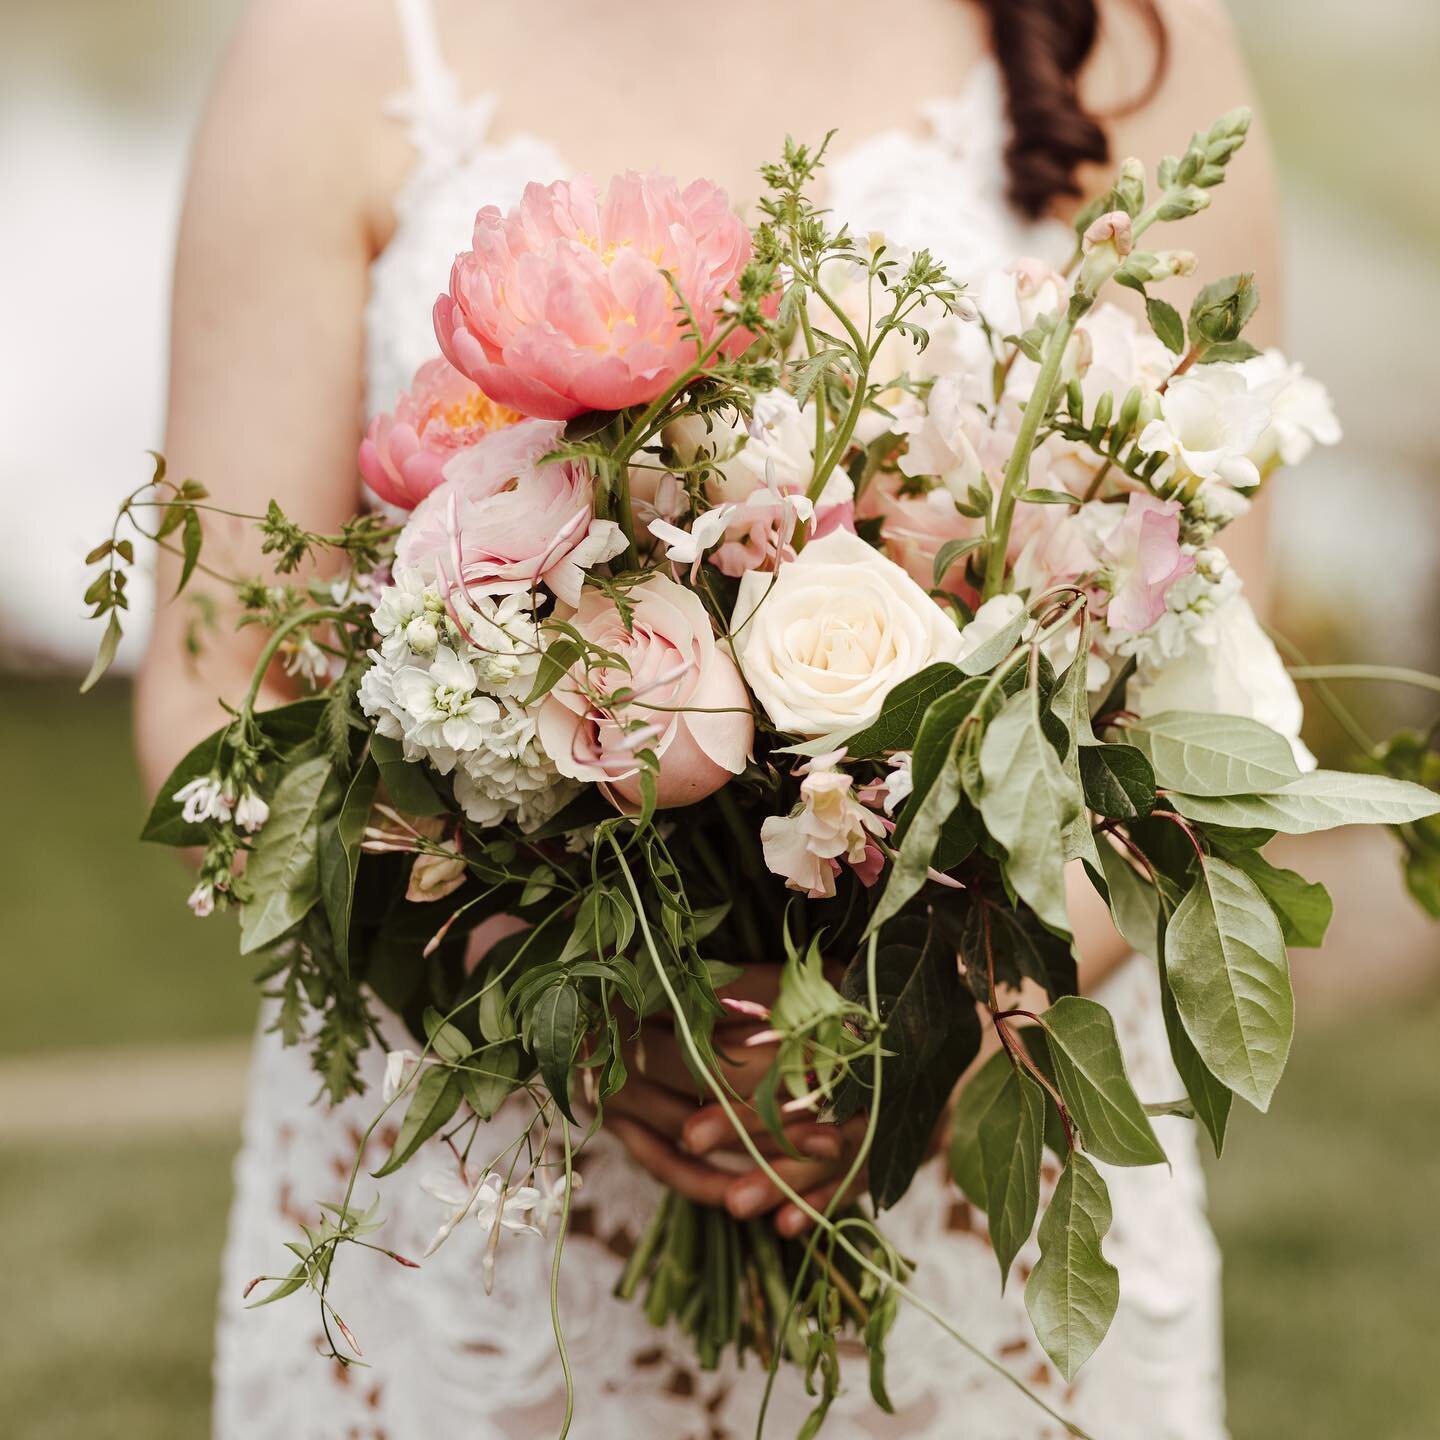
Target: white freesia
(806, 846)
(1228, 666)
(1208, 423)
(1302, 415)
(825, 639)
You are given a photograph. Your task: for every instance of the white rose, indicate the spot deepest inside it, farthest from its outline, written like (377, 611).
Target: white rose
(1229, 667)
(823, 642)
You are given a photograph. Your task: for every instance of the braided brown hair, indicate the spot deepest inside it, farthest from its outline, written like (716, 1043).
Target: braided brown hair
(1041, 46)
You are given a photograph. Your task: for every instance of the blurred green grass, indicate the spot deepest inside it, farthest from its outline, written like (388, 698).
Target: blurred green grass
(100, 949)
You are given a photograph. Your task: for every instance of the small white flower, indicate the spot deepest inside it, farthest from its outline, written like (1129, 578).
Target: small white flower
(400, 1065)
(202, 900)
(252, 812)
(551, 1204)
(204, 799)
(686, 547)
(305, 660)
(899, 783)
(1208, 422)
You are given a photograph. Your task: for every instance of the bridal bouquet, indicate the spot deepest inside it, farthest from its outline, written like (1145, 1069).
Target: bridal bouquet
(768, 595)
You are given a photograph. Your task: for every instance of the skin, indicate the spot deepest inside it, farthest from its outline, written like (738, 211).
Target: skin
(290, 199)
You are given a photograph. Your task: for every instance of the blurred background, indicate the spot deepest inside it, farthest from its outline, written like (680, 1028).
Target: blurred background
(124, 1022)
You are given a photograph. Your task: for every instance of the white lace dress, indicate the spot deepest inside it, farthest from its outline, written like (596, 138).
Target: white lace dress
(444, 1358)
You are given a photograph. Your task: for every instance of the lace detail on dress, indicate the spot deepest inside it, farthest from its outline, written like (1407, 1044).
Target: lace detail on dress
(445, 1357)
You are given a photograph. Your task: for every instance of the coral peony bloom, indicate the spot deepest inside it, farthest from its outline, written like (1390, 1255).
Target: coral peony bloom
(403, 454)
(564, 305)
(512, 522)
(670, 660)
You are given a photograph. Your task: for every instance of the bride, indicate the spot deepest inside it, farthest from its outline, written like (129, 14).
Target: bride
(345, 152)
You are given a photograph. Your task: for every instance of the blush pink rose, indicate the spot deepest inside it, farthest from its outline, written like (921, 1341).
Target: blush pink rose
(509, 523)
(1144, 554)
(403, 454)
(670, 659)
(562, 307)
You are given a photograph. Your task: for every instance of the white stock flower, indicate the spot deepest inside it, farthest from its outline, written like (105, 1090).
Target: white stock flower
(1302, 415)
(1208, 423)
(443, 705)
(830, 634)
(827, 825)
(1226, 666)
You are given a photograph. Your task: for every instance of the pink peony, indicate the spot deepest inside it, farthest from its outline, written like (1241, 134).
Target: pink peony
(1145, 557)
(671, 660)
(511, 522)
(403, 454)
(562, 306)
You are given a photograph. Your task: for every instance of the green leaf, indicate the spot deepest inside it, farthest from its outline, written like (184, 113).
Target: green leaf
(898, 723)
(979, 1093)
(1232, 352)
(1202, 754)
(489, 1078)
(1012, 1133)
(1019, 947)
(1027, 804)
(1070, 704)
(560, 655)
(105, 654)
(986, 656)
(932, 746)
(284, 873)
(1211, 1099)
(552, 1032)
(1118, 781)
(951, 552)
(406, 783)
(340, 856)
(1073, 1292)
(448, 1041)
(1165, 321)
(1321, 800)
(1225, 960)
(1090, 1071)
(192, 537)
(932, 1032)
(1048, 497)
(435, 1099)
(1134, 904)
(1303, 909)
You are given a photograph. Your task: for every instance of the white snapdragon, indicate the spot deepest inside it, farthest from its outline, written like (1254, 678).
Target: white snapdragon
(1208, 422)
(1301, 413)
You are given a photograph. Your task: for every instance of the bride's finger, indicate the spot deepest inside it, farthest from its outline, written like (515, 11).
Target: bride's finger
(693, 1179)
(791, 1221)
(659, 1108)
(710, 1128)
(664, 1060)
(756, 1193)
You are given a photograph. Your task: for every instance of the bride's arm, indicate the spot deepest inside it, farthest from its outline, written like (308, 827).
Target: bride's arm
(266, 344)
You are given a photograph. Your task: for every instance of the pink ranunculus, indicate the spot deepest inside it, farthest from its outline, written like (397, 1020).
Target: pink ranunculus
(703, 734)
(511, 522)
(562, 306)
(1145, 558)
(403, 454)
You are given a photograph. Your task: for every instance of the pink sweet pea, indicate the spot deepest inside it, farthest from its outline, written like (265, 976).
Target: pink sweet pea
(562, 306)
(403, 454)
(1144, 554)
(704, 731)
(508, 523)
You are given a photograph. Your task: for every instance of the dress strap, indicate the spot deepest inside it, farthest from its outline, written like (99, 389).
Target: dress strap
(444, 127)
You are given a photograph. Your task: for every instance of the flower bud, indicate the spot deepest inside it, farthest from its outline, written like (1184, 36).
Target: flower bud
(422, 636)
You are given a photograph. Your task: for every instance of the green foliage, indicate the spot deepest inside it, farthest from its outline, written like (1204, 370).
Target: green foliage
(898, 723)
(1011, 1133)
(1090, 1073)
(433, 1103)
(1320, 800)
(1073, 1292)
(1203, 754)
(1226, 964)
